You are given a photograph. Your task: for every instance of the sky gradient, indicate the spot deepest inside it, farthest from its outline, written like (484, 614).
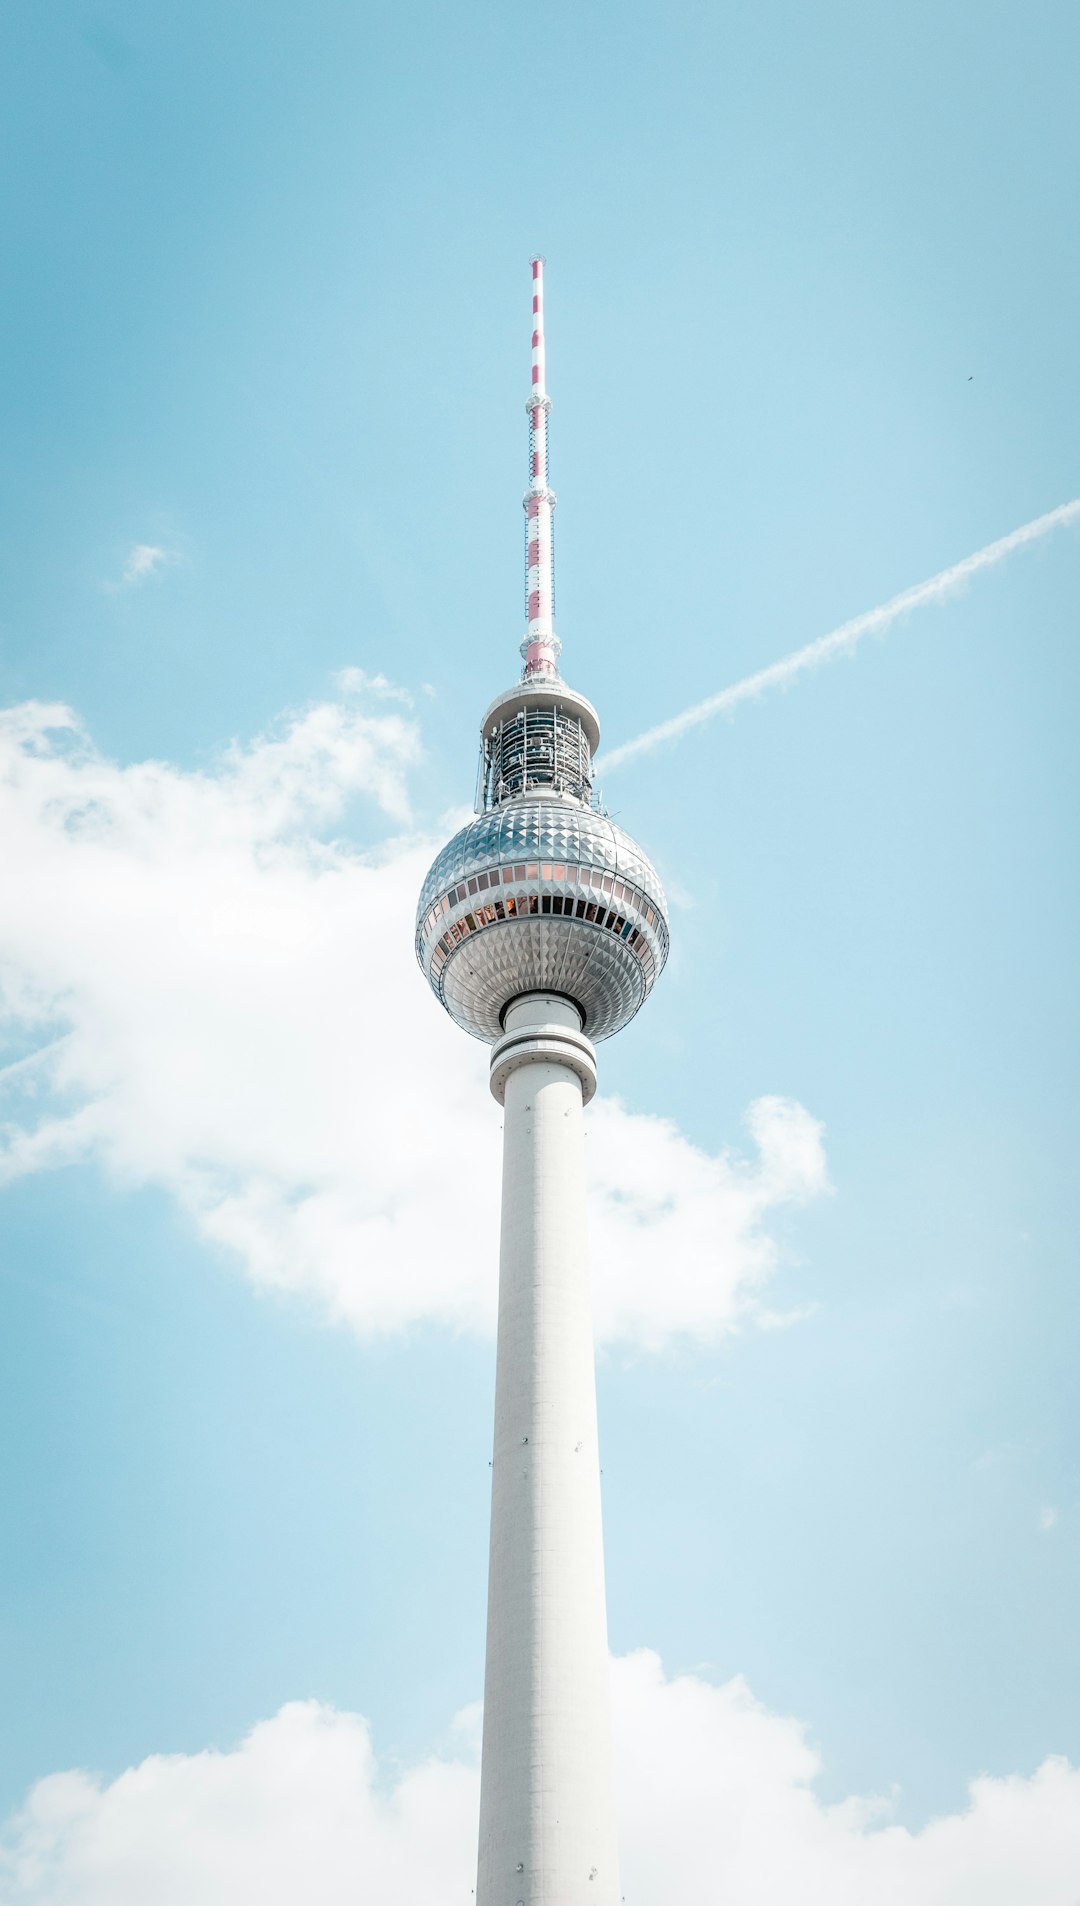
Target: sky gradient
(811, 299)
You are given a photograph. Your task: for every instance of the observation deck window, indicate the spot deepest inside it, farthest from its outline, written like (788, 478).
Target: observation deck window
(630, 921)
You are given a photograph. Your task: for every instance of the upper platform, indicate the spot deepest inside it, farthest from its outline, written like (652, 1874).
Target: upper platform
(538, 734)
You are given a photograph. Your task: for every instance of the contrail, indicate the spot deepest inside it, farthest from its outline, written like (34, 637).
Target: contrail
(841, 640)
(32, 1059)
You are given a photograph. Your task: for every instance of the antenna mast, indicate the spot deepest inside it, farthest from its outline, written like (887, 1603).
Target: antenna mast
(540, 649)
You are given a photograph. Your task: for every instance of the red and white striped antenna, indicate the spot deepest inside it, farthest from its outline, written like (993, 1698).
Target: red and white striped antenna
(541, 646)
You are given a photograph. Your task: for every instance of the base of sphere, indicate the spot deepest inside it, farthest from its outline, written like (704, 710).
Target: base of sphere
(543, 1027)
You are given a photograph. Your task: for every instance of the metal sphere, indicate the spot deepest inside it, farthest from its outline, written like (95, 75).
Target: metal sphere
(542, 894)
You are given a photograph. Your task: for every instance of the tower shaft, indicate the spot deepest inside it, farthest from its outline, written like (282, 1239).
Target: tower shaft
(547, 1825)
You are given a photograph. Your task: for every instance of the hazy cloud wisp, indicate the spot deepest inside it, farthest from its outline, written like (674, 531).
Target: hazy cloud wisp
(143, 561)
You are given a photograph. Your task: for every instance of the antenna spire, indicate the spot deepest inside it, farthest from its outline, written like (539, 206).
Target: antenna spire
(540, 649)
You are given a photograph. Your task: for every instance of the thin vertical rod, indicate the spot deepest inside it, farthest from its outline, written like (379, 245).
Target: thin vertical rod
(540, 648)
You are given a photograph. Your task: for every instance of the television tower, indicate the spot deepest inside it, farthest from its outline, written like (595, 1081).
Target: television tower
(541, 929)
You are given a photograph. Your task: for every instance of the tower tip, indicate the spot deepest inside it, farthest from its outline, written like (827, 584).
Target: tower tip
(540, 649)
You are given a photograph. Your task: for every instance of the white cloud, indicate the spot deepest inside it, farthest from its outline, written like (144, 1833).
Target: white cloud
(357, 681)
(298, 1812)
(143, 560)
(658, 1200)
(1048, 1519)
(718, 1805)
(717, 1801)
(225, 1002)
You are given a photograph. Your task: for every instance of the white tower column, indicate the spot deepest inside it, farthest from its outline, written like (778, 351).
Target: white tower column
(547, 1822)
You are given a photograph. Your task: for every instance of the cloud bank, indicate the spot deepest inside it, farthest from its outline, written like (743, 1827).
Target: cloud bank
(841, 641)
(717, 1802)
(205, 986)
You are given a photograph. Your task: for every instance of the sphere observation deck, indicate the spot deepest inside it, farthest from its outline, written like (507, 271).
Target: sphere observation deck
(541, 892)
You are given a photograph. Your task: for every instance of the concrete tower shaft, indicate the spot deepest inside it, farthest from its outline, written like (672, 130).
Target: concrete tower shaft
(547, 1813)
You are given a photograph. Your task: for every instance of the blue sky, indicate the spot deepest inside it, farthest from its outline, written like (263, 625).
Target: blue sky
(811, 297)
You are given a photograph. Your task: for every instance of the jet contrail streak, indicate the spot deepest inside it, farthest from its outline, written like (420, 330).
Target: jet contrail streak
(31, 1059)
(841, 640)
